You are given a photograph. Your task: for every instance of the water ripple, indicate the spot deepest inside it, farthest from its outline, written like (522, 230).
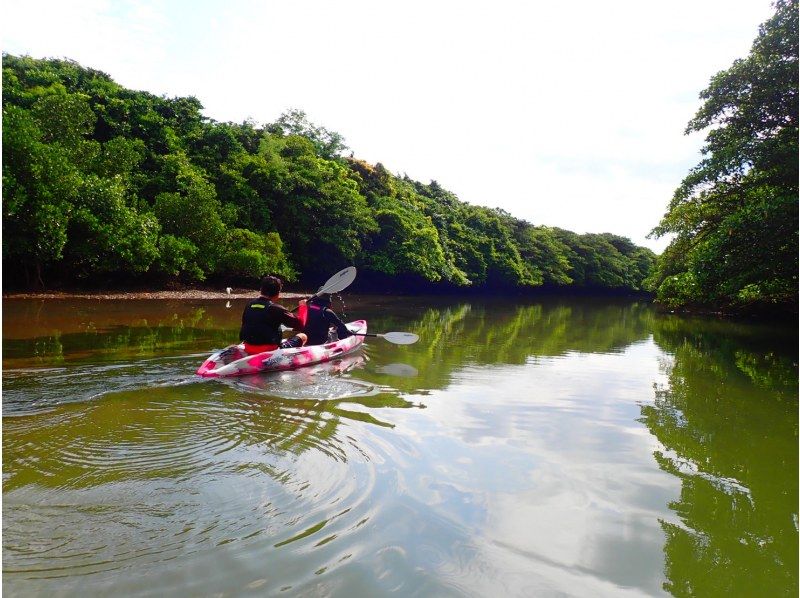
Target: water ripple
(165, 471)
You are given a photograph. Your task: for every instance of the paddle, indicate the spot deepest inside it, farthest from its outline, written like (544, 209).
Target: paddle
(398, 338)
(402, 370)
(336, 283)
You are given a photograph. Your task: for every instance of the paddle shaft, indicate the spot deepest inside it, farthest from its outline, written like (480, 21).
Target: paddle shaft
(336, 283)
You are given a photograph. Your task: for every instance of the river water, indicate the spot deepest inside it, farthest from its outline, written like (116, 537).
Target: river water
(554, 447)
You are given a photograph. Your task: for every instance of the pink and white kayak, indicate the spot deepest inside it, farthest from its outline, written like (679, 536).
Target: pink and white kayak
(233, 361)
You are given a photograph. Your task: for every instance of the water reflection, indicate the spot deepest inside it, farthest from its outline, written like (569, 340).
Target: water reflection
(322, 381)
(489, 333)
(68, 332)
(518, 449)
(134, 338)
(727, 422)
(400, 370)
(42, 333)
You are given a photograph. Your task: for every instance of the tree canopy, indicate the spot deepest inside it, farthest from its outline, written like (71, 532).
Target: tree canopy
(734, 217)
(105, 183)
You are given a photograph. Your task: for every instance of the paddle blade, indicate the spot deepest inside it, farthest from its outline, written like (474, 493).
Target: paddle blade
(400, 338)
(339, 281)
(402, 370)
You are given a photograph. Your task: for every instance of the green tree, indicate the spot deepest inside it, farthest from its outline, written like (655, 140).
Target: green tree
(542, 250)
(251, 255)
(103, 180)
(193, 212)
(39, 180)
(178, 256)
(486, 251)
(107, 236)
(406, 243)
(314, 203)
(735, 215)
(328, 144)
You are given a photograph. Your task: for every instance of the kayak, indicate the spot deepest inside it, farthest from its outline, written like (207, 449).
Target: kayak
(234, 361)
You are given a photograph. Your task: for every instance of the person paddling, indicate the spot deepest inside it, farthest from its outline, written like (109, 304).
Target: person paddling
(262, 319)
(320, 318)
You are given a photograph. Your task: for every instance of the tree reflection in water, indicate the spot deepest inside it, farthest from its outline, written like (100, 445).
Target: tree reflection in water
(727, 420)
(122, 397)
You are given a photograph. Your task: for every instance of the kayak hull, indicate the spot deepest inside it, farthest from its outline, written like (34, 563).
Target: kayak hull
(234, 361)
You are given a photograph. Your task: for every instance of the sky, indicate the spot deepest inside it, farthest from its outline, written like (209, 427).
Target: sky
(568, 114)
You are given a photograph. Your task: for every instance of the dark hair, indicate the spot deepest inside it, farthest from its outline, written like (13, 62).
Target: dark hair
(271, 286)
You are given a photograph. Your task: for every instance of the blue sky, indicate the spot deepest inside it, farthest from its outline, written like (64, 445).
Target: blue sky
(564, 114)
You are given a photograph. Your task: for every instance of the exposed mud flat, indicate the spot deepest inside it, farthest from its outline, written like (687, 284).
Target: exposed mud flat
(164, 294)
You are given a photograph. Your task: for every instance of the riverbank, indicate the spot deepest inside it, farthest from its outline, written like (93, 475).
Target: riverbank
(177, 295)
(365, 285)
(195, 293)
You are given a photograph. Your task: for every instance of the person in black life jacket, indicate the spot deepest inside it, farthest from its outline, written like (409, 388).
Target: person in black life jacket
(320, 318)
(262, 319)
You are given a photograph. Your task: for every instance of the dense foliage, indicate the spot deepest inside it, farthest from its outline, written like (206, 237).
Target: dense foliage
(105, 183)
(735, 216)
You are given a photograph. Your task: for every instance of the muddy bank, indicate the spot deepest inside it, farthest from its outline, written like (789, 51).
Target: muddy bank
(162, 294)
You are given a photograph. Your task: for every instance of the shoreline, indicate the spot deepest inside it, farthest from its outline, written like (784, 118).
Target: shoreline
(189, 294)
(143, 295)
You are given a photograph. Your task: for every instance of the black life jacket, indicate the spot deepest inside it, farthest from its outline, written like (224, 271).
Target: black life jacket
(317, 325)
(260, 324)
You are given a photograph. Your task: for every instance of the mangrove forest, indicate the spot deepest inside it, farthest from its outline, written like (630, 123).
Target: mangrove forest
(105, 183)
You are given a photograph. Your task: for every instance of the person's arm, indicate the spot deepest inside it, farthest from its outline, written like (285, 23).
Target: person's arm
(341, 330)
(287, 318)
(241, 328)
